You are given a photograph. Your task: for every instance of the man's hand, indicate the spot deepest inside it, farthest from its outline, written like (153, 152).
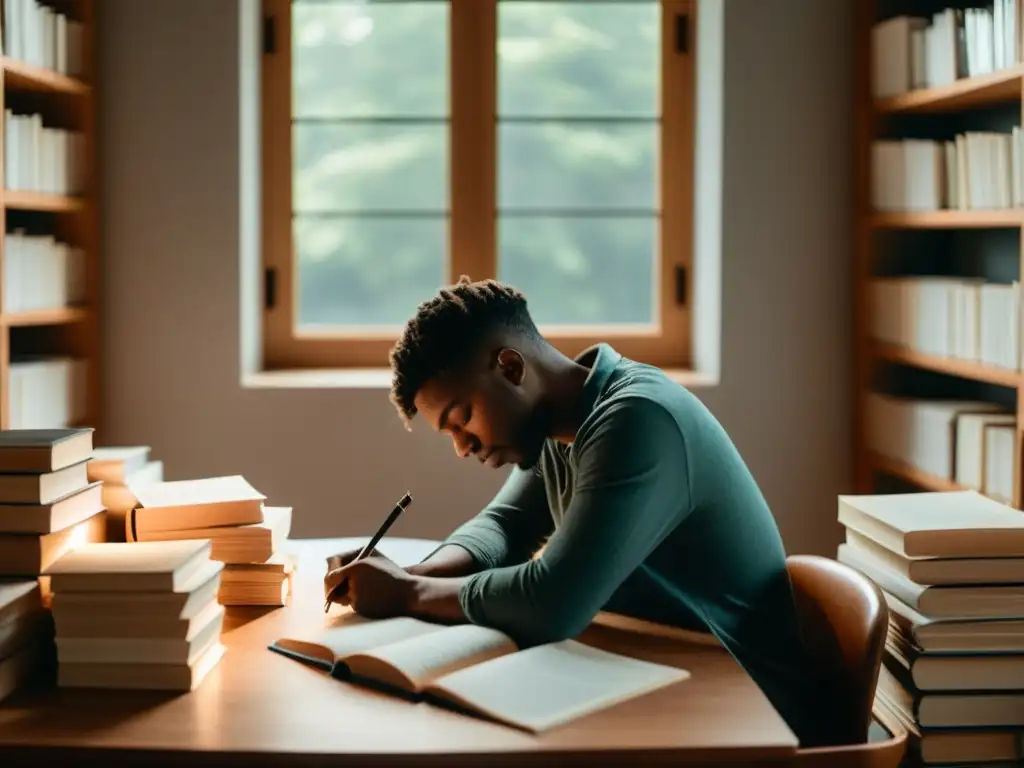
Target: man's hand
(374, 587)
(334, 562)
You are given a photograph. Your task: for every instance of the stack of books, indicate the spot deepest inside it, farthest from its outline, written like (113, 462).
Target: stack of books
(47, 504)
(951, 568)
(137, 615)
(247, 536)
(26, 634)
(121, 469)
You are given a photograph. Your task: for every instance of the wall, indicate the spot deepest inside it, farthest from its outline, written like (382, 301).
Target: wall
(174, 224)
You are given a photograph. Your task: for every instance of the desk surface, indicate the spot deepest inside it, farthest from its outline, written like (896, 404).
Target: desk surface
(258, 707)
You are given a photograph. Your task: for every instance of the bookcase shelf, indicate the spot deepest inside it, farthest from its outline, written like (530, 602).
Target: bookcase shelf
(36, 201)
(49, 255)
(963, 369)
(923, 480)
(951, 227)
(1009, 218)
(977, 92)
(20, 76)
(62, 316)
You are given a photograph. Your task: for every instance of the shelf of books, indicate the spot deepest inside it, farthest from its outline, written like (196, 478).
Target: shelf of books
(936, 520)
(940, 209)
(49, 256)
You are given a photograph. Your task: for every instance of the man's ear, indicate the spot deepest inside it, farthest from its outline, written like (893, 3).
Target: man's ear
(512, 365)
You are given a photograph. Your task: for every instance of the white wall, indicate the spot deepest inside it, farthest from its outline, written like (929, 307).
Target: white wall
(174, 224)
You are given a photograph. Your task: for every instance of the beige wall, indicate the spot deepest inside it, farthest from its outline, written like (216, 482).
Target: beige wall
(174, 228)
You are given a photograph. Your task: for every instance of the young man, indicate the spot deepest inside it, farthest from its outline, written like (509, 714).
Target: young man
(646, 507)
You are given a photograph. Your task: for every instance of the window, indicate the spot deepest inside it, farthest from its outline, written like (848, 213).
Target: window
(545, 143)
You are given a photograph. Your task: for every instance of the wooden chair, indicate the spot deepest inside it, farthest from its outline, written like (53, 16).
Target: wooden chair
(845, 620)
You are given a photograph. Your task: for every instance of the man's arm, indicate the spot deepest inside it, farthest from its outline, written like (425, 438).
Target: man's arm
(508, 530)
(632, 490)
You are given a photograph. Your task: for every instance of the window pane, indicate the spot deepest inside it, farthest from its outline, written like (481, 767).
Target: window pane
(371, 166)
(578, 58)
(370, 59)
(573, 165)
(367, 271)
(582, 270)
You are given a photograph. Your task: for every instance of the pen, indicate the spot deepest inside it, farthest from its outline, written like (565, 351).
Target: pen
(404, 502)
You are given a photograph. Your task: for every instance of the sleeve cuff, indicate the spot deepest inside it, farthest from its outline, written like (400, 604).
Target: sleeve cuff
(469, 600)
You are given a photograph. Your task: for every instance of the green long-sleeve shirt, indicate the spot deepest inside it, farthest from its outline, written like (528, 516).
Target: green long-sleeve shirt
(651, 513)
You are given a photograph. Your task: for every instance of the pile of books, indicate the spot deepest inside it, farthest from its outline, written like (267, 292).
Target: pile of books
(136, 615)
(120, 469)
(47, 503)
(246, 535)
(951, 568)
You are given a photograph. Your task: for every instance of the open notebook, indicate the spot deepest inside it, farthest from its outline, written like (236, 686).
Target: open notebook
(479, 670)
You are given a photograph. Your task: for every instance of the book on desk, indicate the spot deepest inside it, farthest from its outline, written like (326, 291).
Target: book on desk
(478, 670)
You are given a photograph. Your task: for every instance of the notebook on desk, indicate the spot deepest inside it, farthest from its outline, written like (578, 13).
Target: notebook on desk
(478, 670)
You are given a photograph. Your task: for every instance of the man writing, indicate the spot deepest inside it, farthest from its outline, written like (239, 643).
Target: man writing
(645, 505)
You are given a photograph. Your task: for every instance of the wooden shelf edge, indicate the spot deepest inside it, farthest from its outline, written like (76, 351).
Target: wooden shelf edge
(946, 219)
(29, 77)
(37, 201)
(999, 87)
(950, 366)
(924, 480)
(44, 317)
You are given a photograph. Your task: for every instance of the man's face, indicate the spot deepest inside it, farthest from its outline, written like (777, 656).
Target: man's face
(488, 411)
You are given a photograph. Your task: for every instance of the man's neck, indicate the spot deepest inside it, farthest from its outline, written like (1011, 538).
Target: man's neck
(564, 381)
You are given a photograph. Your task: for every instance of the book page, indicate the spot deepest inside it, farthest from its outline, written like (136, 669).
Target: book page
(422, 659)
(548, 685)
(351, 633)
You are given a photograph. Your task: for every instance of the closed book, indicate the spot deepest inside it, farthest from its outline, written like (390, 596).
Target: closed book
(177, 505)
(954, 635)
(42, 488)
(253, 543)
(29, 555)
(152, 566)
(44, 450)
(948, 571)
(936, 524)
(114, 464)
(54, 516)
(975, 601)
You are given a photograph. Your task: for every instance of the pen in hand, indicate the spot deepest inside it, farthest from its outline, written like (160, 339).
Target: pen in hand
(404, 502)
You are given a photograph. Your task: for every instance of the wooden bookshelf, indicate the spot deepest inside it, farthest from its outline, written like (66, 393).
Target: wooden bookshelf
(963, 369)
(923, 480)
(36, 201)
(946, 219)
(969, 93)
(52, 324)
(882, 239)
(28, 77)
(40, 317)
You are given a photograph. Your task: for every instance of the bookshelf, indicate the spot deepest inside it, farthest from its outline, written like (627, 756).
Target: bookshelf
(938, 246)
(50, 255)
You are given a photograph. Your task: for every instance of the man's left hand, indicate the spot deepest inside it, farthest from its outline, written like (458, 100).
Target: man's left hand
(376, 587)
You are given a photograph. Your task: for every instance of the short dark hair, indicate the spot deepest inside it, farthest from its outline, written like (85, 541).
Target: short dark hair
(447, 329)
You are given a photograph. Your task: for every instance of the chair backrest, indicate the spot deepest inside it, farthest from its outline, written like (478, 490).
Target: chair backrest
(844, 620)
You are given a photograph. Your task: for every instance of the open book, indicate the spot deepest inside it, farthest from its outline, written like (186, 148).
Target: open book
(479, 670)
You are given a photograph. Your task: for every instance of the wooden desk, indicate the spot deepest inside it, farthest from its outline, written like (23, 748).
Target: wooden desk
(260, 708)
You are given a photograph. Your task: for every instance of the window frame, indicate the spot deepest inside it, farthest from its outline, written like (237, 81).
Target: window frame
(473, 215)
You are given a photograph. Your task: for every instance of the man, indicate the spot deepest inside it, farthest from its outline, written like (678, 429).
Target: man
(646, 507)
